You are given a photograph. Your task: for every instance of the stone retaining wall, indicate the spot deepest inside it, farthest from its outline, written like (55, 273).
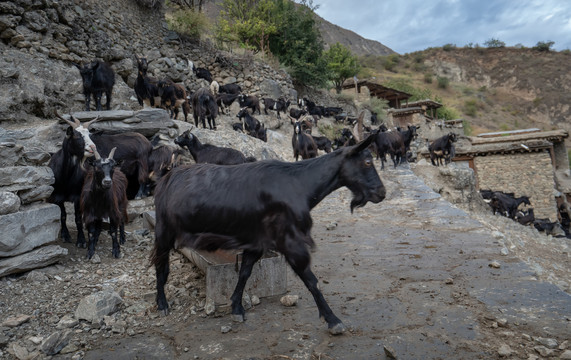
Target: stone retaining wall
(529, 174)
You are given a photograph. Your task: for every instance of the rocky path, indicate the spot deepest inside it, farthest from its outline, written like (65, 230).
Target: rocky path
(412, 277)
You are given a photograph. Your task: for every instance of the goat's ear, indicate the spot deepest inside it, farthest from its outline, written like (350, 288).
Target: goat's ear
(362, 145)
(69, 131)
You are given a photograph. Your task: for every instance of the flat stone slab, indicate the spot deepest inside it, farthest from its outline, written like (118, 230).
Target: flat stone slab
(221, 268)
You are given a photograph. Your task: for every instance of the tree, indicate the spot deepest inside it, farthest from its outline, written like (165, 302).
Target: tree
(544, 46)
(249, 22)
(494, 43)
(341, 64)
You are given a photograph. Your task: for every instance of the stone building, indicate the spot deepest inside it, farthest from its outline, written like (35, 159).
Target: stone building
(528, 162)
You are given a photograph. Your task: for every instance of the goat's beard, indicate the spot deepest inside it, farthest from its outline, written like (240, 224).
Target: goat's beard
(359, 200)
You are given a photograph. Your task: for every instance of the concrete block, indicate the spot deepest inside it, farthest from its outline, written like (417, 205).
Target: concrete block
(221, 268)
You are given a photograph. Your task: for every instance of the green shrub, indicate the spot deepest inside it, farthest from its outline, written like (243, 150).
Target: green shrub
(331, 131)
(471, 107)
(443, 82)
(494, 43)
(543, 46)
(189, 23)
(467, 128)
(447, 113)
(449, 47)
(428, 78)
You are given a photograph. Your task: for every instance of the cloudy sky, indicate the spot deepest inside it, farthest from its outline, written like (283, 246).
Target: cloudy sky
(411, 25)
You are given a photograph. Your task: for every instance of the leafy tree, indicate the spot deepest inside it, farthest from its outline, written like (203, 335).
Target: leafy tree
(297, 44)
(494, 43)
(249, 22)
(282, 27)
(543, 46)
(341, 63)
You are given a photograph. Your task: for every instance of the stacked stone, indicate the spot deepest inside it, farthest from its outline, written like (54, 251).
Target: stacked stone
(28, 225)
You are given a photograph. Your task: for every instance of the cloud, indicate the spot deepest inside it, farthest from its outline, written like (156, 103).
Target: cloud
(412, 25)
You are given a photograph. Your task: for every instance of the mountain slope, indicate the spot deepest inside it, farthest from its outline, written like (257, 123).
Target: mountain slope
(358, 45)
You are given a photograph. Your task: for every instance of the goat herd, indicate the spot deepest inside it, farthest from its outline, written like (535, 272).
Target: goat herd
(226, 200)
(506, 204)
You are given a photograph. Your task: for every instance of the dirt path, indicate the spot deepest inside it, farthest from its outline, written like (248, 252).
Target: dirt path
(412, 274)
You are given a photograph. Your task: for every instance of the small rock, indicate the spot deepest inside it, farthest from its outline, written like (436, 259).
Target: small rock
(564, 345)
(96, 259)
(390, 352)
(495, 265)
(209, 307)
(504, 251)
(331, 226)
(225, 329)
(67, 322)
(543, 351)
(449, 281)
(16, 320)
(505, 350)
(55, 342)
(246, 301)
(36, 276)
(547, 342)
(255, 300)
(566, 355)
(502, 322)
(289, 300)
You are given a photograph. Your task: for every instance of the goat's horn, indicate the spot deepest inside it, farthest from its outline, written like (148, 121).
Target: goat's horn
(72, 124)
(91, 122)
(96, 153)
(110, 157)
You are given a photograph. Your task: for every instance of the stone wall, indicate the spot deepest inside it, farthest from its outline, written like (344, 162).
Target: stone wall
(529, 174)
(27, 224)
(41, 39)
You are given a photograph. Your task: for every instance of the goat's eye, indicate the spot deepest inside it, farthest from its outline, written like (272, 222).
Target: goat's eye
(368, 163)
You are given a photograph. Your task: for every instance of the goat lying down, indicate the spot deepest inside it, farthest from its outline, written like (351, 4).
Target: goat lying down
(257, 207)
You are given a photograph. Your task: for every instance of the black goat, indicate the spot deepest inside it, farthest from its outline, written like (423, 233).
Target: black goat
(224, 101)
(302, 143)
(212, 154)
(200, 73)
(389, 142)
(98, 77)
(67, 166)
(442, 148)
(346, 138)
(278, 105)
(145, 87)
(332, 111)
(507, 205)
(133, 151)
(104, 196)
(297, 113)
(322, 143)
(312, 108)
(257, 207)
(173, 96)
(204, 106)
(249, 123)
(230, 89)
(525, 217)
(162, 159)
(250, 101)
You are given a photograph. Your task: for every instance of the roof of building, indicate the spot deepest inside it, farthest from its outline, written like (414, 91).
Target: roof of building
(377, 90)
(429, 104)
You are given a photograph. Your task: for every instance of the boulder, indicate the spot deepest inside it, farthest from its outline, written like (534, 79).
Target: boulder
(38, 258)
(26, 230)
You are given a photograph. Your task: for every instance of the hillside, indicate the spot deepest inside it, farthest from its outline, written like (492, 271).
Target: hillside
(493, 89)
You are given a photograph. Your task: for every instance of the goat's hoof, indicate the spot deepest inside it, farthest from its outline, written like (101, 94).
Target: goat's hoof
(81, 245)
(237, 318)
(337, 329)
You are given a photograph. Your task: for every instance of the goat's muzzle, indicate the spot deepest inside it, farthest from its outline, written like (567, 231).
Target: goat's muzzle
(106, 183)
